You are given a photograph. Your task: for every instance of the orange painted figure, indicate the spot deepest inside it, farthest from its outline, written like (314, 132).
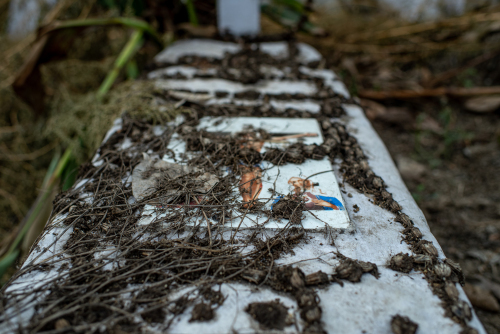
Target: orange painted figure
(251, 178)
(250, 184)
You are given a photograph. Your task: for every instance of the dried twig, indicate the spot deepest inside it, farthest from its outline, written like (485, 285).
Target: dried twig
(423, 27)
(456, 71)
(436, 92)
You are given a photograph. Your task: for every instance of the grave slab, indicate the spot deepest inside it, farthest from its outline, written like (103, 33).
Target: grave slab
(259, 234)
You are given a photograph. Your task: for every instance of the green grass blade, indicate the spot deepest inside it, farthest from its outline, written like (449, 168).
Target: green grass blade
(193, 18)
(293, 4)
(7, 261)
(124, 56)
(41, 200)
(51, 169)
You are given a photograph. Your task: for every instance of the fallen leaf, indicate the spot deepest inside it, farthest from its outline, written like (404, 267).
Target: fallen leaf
(483, 104)
(489, 285)
(391, 115)
(398, 116)
(373, 109)
(410, 169)
(430, 124)
(477, 150)
(481, 298)
(50, 45)
(198, 31)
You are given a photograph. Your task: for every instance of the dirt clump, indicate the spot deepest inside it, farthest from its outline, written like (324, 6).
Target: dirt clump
(293, 280)
(289, 207)
(317, 278)
(270, 315)
(156, 315)
(202, 312)
(352, 270)
(401, 262)
(403, 325)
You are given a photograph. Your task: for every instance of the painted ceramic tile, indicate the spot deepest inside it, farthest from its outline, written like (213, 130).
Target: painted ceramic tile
(313, 180)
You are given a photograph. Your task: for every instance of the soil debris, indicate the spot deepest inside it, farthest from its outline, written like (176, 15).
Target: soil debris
(352, 270)
(155, 315)
(253, 275)
(403, 325)
(401, 262)
(289, 207)
(317, 278)
(270, 315)
(356, 208)
(202, 312)
(203, 255)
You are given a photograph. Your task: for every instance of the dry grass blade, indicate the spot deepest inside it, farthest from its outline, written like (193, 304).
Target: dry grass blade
(424, 27)
(435, 92)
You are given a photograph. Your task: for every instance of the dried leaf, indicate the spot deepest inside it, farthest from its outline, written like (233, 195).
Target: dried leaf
(483, 104)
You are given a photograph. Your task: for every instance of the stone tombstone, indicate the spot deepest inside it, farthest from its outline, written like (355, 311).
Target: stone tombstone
(269, 204)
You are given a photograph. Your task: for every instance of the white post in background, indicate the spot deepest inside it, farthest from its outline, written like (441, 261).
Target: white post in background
(238, 17)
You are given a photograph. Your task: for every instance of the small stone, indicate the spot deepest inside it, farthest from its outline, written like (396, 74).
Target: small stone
(332, 132)
(340, 129)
